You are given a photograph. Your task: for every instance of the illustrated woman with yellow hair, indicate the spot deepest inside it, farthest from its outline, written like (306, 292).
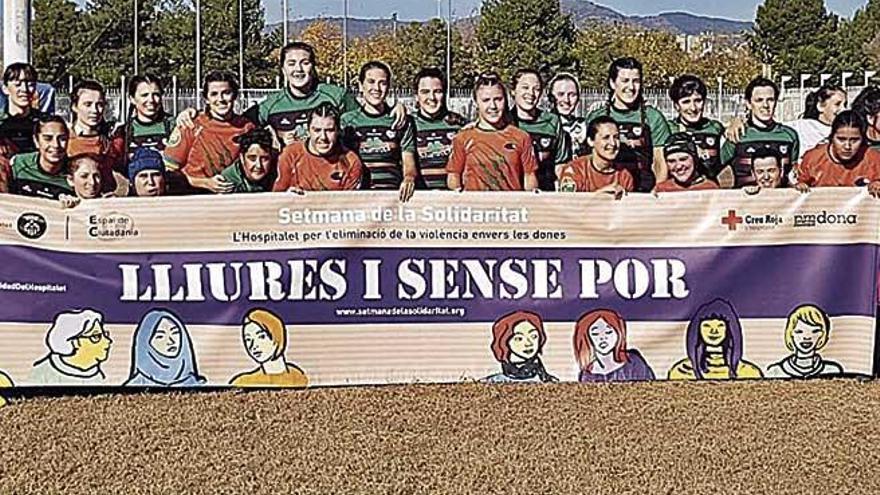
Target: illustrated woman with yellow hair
(806, 333)
(265, 340)
(5, 382)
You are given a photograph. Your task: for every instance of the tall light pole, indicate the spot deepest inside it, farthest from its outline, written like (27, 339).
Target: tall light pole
(198, 44)
(241, 43)
(448, 48)
(16, 31)
(345, 43)
(136, 22)
(284, 20)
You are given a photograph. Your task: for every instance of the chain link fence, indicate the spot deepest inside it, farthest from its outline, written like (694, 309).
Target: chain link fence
(721, 106)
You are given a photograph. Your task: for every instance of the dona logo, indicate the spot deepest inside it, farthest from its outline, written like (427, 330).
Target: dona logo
(825, 218)
(31, 225)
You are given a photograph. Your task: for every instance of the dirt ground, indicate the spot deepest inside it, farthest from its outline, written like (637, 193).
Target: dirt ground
(754, 438)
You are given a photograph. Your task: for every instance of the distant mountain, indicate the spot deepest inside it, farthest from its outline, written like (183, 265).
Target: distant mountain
(582, 12)
(357, 28)
(677, 22)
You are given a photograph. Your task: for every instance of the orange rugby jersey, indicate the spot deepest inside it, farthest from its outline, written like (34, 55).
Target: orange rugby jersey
(207, 148)
(579, 175)
(298, 167)
(110, 149)
(817, 169)
(492, 160)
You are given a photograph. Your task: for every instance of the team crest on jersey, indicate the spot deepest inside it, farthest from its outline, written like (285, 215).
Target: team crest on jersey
(710, 141)
(545, 142)
(284, 121)
(750, 149)
(390, 134)
(567, 185)
(637, 131)
(450, 135)
(174, 138)
(783, 149)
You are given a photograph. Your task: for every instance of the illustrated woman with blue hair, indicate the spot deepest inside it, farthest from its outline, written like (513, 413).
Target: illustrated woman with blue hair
(162, 353)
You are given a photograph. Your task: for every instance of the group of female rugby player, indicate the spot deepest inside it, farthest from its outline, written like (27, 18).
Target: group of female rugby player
(314, 136)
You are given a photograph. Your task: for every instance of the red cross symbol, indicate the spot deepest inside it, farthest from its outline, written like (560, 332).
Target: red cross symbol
(731, 220)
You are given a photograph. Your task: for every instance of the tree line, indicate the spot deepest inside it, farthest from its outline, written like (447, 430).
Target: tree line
(789, 36)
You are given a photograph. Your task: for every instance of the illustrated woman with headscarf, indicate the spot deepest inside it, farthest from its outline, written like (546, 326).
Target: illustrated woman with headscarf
(265, 340)
(517, 341)
(806, 333)
(714, 346)
(162, 353)
(601, 353)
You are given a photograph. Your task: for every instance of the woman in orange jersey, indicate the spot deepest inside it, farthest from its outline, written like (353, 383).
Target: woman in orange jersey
(598, 172)
(845, 161)
(203, 151)
(682, 159)
(90, 133)
(320, 163)
(493, 155)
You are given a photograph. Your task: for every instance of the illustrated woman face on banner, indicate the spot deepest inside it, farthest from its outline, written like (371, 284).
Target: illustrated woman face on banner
(525, 341)
(603, 337)
(166, 338)
(258, 342)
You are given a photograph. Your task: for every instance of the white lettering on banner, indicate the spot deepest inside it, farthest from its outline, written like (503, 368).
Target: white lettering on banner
(426, 214)
(417, 278)
(631, 278)
(303, 280)
(464, 279)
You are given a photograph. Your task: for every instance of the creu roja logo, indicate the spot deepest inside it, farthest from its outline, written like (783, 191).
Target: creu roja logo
(825, 218)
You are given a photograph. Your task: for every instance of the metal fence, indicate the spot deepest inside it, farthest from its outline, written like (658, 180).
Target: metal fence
(722, 106)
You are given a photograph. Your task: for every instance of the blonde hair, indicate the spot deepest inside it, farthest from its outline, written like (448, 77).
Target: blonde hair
(812, 315)
(271, 323)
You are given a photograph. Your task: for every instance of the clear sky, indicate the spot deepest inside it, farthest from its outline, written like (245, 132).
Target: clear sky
(423, 9)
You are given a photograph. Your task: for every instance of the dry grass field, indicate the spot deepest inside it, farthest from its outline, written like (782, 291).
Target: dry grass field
(819, 437)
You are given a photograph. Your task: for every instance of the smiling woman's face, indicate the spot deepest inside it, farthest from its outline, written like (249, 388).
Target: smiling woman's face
(713, 332)
(806, 337)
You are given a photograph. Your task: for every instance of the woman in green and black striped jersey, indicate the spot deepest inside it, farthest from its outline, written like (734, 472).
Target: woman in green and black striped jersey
(388, 154)
(435, 126)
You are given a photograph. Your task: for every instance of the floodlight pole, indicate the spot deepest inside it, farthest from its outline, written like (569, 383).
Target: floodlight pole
(198, 45)
(241, 43)
(135, 32)
(16, 31)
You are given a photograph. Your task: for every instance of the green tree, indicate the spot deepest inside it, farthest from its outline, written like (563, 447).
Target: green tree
(523, 33)
(424, 45)
(794, 36)
(57, 36)
(856, 39)
(598, 44)
(220, 40)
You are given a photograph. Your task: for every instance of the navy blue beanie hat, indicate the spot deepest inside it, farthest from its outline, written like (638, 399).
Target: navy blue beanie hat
(145, 159)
